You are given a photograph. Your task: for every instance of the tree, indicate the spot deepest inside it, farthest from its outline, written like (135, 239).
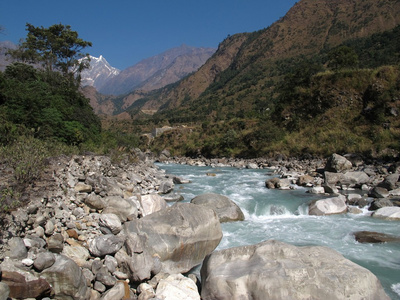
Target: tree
(342, 57)
(57, 48)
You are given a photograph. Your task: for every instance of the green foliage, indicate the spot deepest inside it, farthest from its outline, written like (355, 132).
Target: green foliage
(55, 48)
(342, 57)
(27, 157)
(47, 103)
(9, 199)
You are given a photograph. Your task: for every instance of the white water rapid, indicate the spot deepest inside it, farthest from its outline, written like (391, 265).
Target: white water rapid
(283, 215)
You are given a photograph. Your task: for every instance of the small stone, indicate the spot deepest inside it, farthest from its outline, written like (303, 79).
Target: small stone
(27, 262)
(49, 228)
(379, 192)
(55, 243)
(17, 248)
(72, 233)
(121, 275)
(80, 187)
(44, 260)
(98, 286)
(317, 190)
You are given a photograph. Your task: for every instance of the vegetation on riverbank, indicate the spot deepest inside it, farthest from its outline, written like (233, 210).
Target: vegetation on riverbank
(344, 99)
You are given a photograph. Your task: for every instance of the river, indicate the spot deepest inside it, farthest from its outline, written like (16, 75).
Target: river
(283, 215)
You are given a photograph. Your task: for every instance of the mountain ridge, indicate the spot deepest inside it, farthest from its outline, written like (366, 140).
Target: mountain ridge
(309, 26)
(134, 77)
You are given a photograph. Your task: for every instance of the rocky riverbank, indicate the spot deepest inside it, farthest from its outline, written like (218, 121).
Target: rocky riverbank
(350, 181)
(94, 229)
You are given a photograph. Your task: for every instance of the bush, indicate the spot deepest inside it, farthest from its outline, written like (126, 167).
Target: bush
(27, 157)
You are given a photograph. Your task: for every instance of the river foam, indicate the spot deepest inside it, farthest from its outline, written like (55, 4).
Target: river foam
(283, 215)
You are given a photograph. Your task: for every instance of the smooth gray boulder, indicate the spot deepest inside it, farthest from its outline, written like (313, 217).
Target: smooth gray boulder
(95, 201)
(151, 203)
(105, 244)
(17, 248)
(44, 260)
(173, 197)
(389, 183)
(389, 213)
(66, 279)
(226, 209)
(111, 222)
(329, 206)
(337, 163)
(166, 186)
(275, 270)
(355, 179)
(125, 209)
(177, 287)
(77, 253)
(374, 237)
(180, 236)
(136, 260)
(379, 192)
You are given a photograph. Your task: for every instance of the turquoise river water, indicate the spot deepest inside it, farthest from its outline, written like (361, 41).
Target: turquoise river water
(283, 215)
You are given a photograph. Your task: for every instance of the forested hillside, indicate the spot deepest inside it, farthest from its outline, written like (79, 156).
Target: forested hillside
(269, 91)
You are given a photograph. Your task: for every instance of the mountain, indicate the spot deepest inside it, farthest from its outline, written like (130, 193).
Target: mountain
(322, 79)
(158, 71)
(98, 73)
(250, 63)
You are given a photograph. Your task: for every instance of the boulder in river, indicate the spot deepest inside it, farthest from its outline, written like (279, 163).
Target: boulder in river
(374, 237)
(181, 235)
(329, 206)
(276, 270)
(388, 213)
(226, 209)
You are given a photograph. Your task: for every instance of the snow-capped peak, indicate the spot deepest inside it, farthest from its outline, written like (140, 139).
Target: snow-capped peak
(99, 72)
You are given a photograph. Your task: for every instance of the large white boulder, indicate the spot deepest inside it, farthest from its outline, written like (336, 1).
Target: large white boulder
(275, 270)
(329, 206)
(180, 235)
(151, 203)
(226, 209)
(388, 213)
(177, 287)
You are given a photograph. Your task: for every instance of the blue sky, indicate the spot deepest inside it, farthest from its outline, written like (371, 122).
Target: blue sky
(127, 31)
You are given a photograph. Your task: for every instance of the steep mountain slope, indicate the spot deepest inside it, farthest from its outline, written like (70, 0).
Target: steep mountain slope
(99, 72)
(159, 70)
(256, 61)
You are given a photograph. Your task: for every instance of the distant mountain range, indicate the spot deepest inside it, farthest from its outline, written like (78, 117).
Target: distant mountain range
(151, 73)
(111, 91)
